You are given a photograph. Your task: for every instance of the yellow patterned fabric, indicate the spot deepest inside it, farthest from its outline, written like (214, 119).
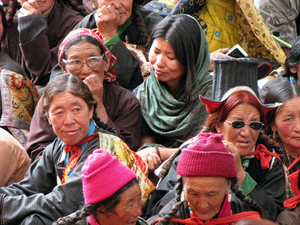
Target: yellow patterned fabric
(19, 99)
(230, 22)
(119, 148)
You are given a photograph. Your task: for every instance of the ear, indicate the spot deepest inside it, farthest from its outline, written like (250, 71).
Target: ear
(91, 113)
(106, 62)
(273, 127)
(293, 69)
(100, 212)
(63, 68)
(218, 128)
(48, 118)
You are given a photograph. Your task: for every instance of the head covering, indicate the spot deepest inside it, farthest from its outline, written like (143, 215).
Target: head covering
(213, 105)
(181, 121)
(110, 75)
(207, 157)
(102, 176)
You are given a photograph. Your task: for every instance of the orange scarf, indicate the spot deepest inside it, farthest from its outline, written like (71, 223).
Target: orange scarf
(76, 153)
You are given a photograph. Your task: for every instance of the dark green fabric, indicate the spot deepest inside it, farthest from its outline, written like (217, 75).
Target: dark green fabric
(174, 118)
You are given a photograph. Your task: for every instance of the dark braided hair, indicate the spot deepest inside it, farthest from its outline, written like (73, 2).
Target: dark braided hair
(14, 6)
(137, 16)
(176, 207)
(246, 199)
(101, 124)
(109, 204)
(234, 188)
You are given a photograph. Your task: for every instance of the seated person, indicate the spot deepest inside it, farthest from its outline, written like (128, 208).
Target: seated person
(52, 187)
(208, 174)
(125, 28)
(260, 173)
(35, 31)
(14, 160)
(169, 100)
(84, 54)
(5, 61)
(105, 203)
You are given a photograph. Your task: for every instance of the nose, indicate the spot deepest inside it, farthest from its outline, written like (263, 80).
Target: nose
(137, 209)
(245, 131)
(202, 204)
(68, 118)
(159, 61)
(85, 70)
(297, 125)
(117, 4)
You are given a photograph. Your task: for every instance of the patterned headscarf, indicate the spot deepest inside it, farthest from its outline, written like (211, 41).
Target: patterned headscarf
(110, 75)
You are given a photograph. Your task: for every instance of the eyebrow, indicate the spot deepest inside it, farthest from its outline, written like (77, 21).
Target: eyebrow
(72, 104)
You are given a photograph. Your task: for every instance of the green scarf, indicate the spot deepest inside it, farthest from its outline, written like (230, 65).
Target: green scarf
(173, 118)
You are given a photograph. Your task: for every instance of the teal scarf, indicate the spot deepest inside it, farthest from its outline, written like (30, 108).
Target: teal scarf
(173, 118)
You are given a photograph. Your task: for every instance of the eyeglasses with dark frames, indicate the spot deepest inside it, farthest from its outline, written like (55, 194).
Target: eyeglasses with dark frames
(238, 124)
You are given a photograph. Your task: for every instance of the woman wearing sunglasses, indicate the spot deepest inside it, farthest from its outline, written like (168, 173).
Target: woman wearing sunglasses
(240, 117)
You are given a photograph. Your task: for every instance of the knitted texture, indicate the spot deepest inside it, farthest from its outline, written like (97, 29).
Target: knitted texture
(207, 157)
(102, 176)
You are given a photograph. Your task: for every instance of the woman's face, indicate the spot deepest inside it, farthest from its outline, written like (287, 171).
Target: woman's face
(165, 65)
(123, 6)
(245, 138)
(84, 50)
(205, 195)
(287, 125)
(127, 211)
(70, 117)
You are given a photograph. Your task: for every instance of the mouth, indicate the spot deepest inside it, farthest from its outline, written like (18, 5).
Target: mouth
(70, 132)
(159, 72)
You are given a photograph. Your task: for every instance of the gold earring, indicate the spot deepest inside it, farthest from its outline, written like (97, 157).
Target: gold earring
(274, 133)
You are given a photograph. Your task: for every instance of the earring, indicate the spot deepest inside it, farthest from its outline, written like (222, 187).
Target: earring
(274, 133)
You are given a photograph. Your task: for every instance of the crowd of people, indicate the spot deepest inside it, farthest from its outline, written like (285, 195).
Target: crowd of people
(131, 112)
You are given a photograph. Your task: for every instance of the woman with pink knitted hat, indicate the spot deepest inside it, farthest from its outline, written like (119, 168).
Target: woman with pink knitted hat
(111, 193)
(203, 193)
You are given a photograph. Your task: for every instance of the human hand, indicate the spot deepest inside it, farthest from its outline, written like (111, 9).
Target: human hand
(29, 7)
(150, 156)
(241, 175)
(95, 85)
(108, 21)
(220, 53)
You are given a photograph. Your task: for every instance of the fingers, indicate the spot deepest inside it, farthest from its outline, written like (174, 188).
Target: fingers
(153, 161)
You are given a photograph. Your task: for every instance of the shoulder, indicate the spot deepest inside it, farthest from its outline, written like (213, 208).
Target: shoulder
(120, 93)
(151, 18)
(87, 22)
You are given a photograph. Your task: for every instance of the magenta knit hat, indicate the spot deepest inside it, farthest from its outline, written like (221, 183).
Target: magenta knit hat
(207, 157)
(102, 176)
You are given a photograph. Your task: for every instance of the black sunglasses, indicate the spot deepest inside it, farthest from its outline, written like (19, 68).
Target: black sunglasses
(237, 124)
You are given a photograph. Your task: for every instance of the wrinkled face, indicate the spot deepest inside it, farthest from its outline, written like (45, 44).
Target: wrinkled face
(127, 211)
(123, 6)
(45, 5)
(83, 50)
(245, 138)
(287, 125)
(205, 195)
(70, 117)
(166, 66)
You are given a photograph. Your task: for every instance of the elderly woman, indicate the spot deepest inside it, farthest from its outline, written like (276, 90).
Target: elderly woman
(123, 24)
(169, 100)
(52, 187)
(106, 204)
(208, 173)
(260, 174)
(84, 54)
(284, 127)
(35, 33)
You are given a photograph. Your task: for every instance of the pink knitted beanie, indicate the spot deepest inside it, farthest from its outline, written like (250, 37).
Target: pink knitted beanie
(102, 176)
(207, 157)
